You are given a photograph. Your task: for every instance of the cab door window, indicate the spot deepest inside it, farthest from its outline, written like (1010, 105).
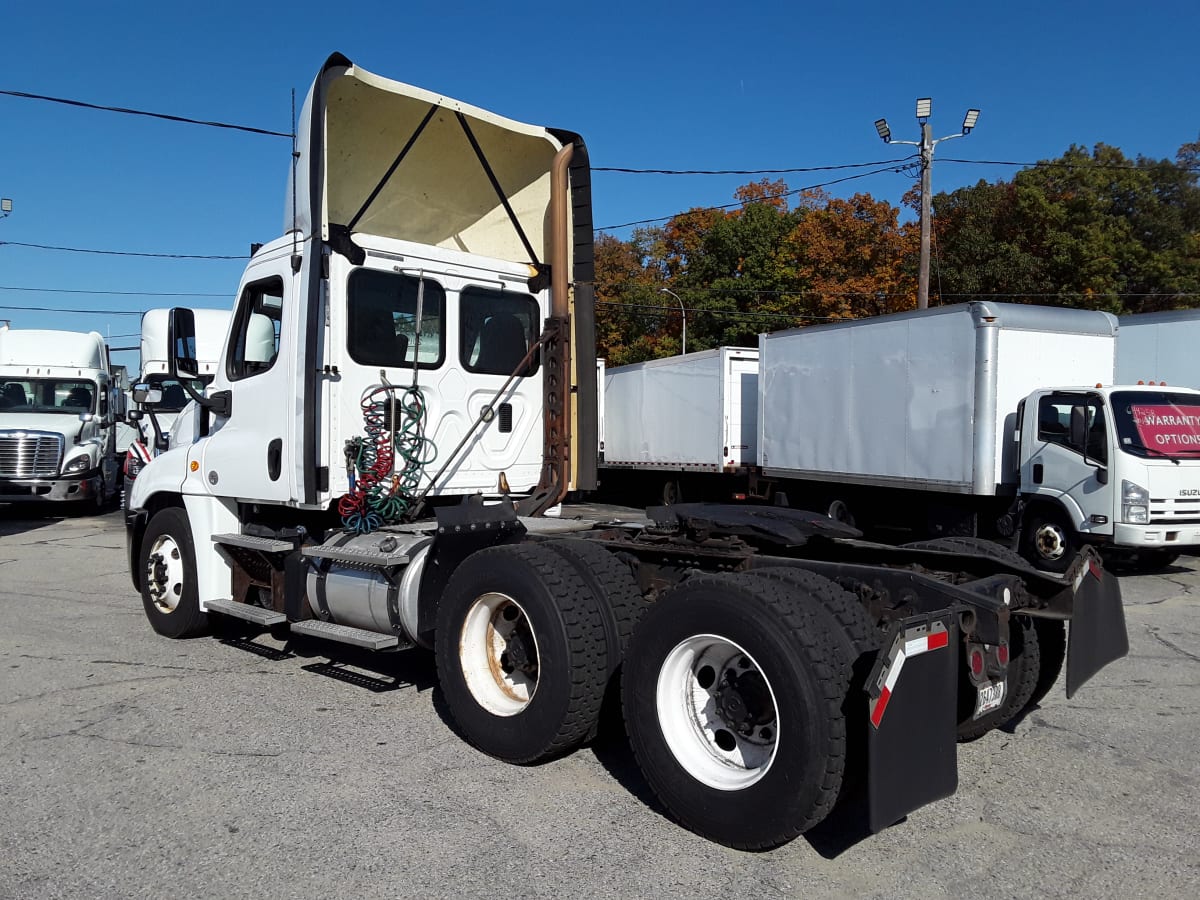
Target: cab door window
(382, 322)
(1054, 424)
(254, 344)
(498, 328)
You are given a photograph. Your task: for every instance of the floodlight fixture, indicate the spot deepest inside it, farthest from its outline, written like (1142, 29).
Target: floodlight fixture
(969, 120)
(5, 206)
(881, 126)
(924, 108)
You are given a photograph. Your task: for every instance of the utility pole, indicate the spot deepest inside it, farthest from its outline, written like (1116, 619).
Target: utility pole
(926, 146)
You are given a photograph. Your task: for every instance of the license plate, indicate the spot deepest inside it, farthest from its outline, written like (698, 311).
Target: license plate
(991, 695)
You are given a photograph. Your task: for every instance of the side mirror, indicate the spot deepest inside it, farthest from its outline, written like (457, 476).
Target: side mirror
(147, 395)
(181, 344)
(86, 416)
(134, 415)
(1079, 429)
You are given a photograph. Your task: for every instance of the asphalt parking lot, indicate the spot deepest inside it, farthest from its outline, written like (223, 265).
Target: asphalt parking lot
(135, 766)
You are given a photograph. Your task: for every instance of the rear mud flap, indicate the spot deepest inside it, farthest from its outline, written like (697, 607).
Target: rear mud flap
(1097, 635)
(912, 756)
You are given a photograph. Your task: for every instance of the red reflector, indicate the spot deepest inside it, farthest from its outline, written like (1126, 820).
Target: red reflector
(977, 662)
(880, 705)
(937, 640)
(1002, 654)
(739, 496)
(1094, 568)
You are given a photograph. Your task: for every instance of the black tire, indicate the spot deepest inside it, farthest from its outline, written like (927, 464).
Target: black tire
(1052, 647)
(710, 629)
(1024, 662)
(556, 613)
(672, 492)
(839, 511)
(849, 622)
(167, 566)
(1048, 540)
(616, 591)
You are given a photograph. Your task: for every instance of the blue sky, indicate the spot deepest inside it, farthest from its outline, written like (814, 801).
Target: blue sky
(648, 85)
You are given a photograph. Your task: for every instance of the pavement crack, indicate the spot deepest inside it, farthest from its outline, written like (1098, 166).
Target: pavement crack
(1153, 632)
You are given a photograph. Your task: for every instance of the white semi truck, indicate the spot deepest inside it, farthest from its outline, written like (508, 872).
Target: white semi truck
(375, 475)
(169, 395)
(58, 407)
(941, 423)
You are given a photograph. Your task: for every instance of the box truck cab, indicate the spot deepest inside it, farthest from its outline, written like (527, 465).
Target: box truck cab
(1118, 466)
(58, 410)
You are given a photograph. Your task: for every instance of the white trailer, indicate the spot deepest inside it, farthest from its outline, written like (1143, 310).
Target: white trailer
(59, 405)
(1160, 347)
(408, 387)
(682, 416)
(951, 419)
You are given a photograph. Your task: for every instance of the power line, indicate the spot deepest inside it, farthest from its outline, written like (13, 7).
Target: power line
(1067, 165)
(733, 313)
(90, 312)
(119, 252)
(141, 112)
(623, 171)
(46, 290)
(790, 193)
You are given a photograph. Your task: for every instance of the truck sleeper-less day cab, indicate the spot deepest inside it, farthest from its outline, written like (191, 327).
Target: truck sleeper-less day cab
(376, 473)
(58, 407)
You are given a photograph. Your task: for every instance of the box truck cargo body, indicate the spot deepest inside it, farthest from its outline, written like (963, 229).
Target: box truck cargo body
(949, 422)
(678, 418)
(1160, 347)
(920, 400)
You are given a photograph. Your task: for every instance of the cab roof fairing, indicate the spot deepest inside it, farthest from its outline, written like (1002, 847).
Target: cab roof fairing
(439, 194)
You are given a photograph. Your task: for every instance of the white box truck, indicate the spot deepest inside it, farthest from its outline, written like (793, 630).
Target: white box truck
(669, 420)
(983, 418)
(1160, 347)
(59, 405)
(376, 475)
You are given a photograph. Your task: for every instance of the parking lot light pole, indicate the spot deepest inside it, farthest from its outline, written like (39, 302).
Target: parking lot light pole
(926, 145)
(683, 312)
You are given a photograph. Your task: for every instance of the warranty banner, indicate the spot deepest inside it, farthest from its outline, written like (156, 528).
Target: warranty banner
(1168, 427)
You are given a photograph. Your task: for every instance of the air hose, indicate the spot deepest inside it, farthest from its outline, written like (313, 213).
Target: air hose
(385, 465)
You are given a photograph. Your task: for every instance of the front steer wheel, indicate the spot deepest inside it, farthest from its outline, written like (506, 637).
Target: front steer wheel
(732, 691)
(167, 564)
(521, 653)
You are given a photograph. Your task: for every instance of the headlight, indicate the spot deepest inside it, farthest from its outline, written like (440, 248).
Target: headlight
(1135, 504)
(78, 464)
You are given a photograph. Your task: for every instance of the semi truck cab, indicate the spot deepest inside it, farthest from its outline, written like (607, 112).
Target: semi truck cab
(1116, 466)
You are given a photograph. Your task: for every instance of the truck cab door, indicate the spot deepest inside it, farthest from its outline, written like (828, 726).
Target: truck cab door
(1069, 468)
(250, 453)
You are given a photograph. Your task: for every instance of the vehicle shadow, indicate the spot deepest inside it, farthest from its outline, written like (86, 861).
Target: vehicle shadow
(16, 518)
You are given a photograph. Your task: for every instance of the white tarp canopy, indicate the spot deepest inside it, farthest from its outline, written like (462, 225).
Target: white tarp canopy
(440, 193)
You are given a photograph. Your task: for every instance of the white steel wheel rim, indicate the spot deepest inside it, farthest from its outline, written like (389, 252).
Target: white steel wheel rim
(1050, 541)
(165, 572)
(696, 729)
(496, 627)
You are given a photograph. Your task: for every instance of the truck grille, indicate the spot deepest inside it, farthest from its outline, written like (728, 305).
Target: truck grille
(30, 454)
(1178, 511)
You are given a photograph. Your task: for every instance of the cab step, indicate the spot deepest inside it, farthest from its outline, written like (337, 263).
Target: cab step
(344, 634)
(256, 614)
(250, 542)
(367, 551)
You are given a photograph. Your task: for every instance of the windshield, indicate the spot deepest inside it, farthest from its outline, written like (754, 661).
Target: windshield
(70, 396)
(1157, 423)
(174, 397)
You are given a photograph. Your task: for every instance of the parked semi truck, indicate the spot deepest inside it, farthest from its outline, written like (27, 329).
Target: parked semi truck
(1160, 347)
(58, 407)
(376, 476)
(940, 423)
(161, 400)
